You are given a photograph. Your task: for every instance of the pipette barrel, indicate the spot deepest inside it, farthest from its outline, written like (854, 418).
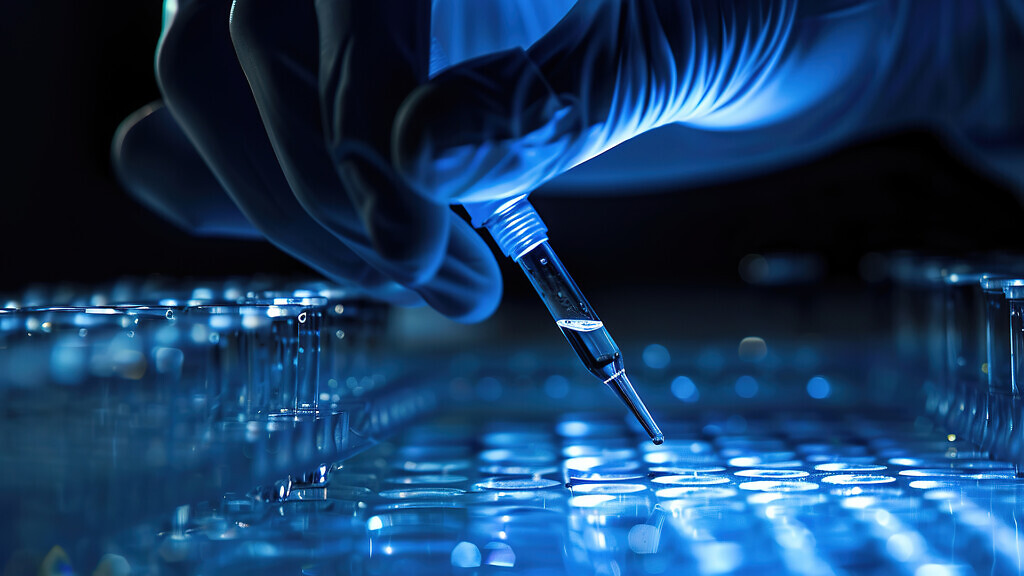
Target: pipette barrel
(521, 235)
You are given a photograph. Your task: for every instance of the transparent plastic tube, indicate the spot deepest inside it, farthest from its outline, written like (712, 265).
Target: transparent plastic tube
(1014, 292)
(522, 236)
(997, 322)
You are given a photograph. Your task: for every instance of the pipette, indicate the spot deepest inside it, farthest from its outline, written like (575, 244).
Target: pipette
(521, 235)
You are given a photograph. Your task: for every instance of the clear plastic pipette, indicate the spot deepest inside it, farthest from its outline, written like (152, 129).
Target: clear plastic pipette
(522, 236)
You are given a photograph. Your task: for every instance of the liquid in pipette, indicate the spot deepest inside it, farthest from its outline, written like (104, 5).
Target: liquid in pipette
(598, 352)
(594, 345)
(580, 325)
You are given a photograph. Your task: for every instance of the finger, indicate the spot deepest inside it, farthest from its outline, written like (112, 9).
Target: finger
(468, 286)
(157, 164)
(205, 90)
(608, 71)
(277, 47)
(375, 53)
(372, 54)
(355, 193)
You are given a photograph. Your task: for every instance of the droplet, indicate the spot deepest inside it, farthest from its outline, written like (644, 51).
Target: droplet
(302, 317)
(169, 314)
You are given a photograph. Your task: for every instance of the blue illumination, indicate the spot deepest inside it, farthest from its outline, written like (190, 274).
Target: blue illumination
(684, 389)
(499, 98)
(556, 386)
(489, 389)
(819, 388)
(746, 386)
(732, 88)
(466, 555)
(656, 356)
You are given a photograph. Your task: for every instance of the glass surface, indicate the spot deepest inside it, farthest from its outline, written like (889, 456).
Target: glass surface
(872, 516)
(174, 438)
(115, 412)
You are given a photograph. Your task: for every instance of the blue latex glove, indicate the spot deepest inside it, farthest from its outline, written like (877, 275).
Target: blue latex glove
(734, 86)
(335, 103)
(289, 109)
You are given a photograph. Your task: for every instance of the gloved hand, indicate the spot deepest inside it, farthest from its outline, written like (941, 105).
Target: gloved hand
(291, 107)
(737, 85)
(339, 150)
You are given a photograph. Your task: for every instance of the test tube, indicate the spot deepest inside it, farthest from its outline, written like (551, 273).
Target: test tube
(1009, 441)
(965, 345)
(997, 333)
(994, 402)
(1013, 290)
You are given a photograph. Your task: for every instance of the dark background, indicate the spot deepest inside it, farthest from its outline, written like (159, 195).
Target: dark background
(73, 70)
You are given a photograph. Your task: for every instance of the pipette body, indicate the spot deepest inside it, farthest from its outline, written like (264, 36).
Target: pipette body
(522, 236)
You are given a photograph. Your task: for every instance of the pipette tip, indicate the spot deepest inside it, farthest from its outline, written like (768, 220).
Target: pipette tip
(632, 400)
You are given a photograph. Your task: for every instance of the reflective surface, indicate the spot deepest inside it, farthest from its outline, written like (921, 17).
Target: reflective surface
(123, 403)
(793, 494)
(243, 429)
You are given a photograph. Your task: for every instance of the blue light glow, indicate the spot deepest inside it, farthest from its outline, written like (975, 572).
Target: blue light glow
(656, 356)
(556, 386)
(746, 386)
(466, 555)
(684, 389)
(819, 388)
